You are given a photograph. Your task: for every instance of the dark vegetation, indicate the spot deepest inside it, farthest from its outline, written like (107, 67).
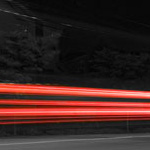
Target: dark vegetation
(108, 62)
(22, 54)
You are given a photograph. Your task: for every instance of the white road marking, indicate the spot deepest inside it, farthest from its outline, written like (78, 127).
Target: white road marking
(72, 140)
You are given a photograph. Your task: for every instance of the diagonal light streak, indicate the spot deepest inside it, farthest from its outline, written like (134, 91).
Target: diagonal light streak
(71, 91)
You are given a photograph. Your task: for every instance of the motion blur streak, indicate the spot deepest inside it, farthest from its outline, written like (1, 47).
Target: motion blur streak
(71, 120)
(69, 117)
(66, 117)
(26, 111)
(73, 111)
(73, 103)
(71, 91)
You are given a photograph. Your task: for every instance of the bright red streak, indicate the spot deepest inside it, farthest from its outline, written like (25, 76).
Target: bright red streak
(90, 110)
(74, 111)
(69, 117)
(72, 91)
(71, 120)
(73, 103)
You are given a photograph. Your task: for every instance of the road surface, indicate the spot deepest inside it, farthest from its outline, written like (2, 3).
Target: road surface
(78, 142)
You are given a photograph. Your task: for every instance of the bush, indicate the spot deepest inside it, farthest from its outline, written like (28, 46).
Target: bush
(9, 76)
(23, 53)
(107, 62)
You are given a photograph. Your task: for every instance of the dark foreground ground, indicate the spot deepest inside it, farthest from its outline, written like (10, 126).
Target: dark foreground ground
(80, 142)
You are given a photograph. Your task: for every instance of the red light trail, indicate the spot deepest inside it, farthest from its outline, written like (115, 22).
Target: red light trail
(74, 111)
(71, 91)
(71, 121)
(72, 117)
(73, 103)
(26, 111)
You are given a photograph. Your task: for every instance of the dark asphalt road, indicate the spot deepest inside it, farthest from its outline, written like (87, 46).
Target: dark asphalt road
(88, 142)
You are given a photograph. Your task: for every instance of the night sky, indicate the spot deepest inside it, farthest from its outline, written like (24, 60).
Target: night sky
(138, 10)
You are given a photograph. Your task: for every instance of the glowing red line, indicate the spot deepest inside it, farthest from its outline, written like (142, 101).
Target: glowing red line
(73, 111)
(73, 103)
(71, 120)
(72, 91)
(51, 87)
(69, 117)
